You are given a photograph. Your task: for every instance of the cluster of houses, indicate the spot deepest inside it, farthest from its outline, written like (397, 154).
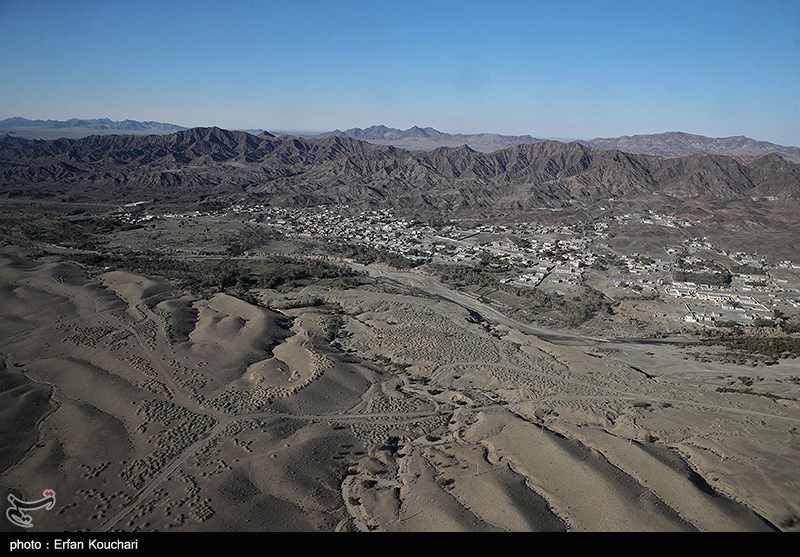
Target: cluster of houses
(379, 229)
(561, 255)
(657, 219)
(558, 254)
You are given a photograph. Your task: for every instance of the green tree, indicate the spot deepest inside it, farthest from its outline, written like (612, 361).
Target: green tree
(224, 274)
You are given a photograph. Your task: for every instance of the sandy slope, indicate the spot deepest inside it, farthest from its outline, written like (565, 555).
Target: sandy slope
(147, 409)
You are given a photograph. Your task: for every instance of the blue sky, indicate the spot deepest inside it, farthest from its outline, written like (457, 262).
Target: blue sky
(573, 68)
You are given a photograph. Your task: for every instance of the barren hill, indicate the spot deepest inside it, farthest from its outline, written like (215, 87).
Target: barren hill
(202, 163)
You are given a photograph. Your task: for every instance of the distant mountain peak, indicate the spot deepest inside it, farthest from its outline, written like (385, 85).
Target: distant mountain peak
(428, 138)
(678, 143)
(78, 127)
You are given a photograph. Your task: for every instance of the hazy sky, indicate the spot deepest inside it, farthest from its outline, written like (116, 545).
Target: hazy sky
(571, 68)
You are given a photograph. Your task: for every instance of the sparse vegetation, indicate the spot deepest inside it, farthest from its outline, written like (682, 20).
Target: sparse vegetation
(575, 310)
(749, 391)
(208, 275)
(79, 232)
(392, 445)
(466, 275)
(703, 272)
(791, 327)
(746, 269)
(721, 278)
(251, 237)
(762, 322)
(771, 347)
(367, 254)
(752, 350)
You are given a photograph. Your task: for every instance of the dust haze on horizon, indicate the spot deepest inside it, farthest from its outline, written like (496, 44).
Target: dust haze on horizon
(583, 70)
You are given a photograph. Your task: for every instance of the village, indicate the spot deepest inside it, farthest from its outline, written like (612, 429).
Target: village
(534, 255)
(695, 282)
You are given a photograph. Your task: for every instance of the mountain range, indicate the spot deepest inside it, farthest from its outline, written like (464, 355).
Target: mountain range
(426, 139)
(76, 127)
(674, 144)
(669, 144)
(211, 163)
